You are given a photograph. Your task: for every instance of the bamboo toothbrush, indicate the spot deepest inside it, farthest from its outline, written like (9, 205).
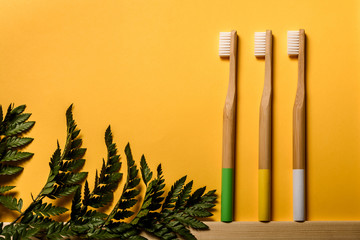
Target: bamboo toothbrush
(228, 48)
(296, 47)
(263, 48)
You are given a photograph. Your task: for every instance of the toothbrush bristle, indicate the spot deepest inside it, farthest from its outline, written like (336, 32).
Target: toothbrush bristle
(293, 42)
(260, 43)
(224, 44)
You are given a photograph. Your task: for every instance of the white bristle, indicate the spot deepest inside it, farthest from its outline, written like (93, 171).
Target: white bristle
(224, 44)
(260, 43)
(293, 42)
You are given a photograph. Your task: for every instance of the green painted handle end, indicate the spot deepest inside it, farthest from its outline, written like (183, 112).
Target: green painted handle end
(227, 195)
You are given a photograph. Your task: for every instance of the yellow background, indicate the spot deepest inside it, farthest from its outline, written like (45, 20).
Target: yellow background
(151, 69)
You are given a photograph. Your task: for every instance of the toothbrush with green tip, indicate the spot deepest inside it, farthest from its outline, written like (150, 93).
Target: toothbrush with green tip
(228, 49)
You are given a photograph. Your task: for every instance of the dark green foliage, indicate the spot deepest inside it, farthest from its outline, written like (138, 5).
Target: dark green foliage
(63, 180)
(167, 217)
(179, 210)
(105, 184)
(109, 178)
(9, 170)
(11, 202)
(47, 210)
(12, 127)
(127, 199)
(5, 188)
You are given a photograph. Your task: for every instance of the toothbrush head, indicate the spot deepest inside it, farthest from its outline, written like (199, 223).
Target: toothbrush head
(260, 44)
(293, 43)
(225, 44)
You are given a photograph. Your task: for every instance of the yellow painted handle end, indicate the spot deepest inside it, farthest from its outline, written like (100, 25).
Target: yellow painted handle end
(264, 195)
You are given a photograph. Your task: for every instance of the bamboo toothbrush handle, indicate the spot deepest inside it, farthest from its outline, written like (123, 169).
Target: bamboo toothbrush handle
(299, 134)
(265, 143)
(229, 133)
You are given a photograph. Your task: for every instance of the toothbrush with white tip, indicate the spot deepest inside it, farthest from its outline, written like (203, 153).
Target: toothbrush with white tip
(263, 49)
(228, 49)
(296, 47)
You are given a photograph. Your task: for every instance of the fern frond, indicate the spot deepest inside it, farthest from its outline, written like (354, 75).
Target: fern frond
(18, 142)
(72, 165)
(20, 128)
(171, 219)
(58, 231)
(181, 230)
(190, 221)
(127, 199)
(9, 170)
(11, 203)
(174, 193)
(184, 195)
(12, 127)
(4, 189)
(62, 180)
(47, 210)
(13, 156)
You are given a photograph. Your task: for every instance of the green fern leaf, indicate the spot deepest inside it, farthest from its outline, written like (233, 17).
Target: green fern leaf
(58, 230)
(76, 205)
(4, 189)
(71, 178)
(75, 134)
(158, 185)
(180, 229)
(72, 165)
(112, 178)
(114, 167)
(100, 201)
(76, 143)
(19, 128)
(198, 212)
(18, 110)
(13, 156)
(9, 170)
(29, 233)
(145, 170)
(190, 221)
(86, 194)
(55, 160)
(64, 191)
(133, 183)
(11, 203)
(8, 113)
(184, 195)
(123, 214)
(20, 118)
(76, 153)
(209, 196)
(129, 192)
(150, 189)
(119, 227)
(48, 210)
(126, 204)
(16, 142)
(174, 193)
(102, 172)
(161, 231)
(195, 197)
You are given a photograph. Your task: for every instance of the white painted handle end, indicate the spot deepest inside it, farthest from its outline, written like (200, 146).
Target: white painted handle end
(299, 195)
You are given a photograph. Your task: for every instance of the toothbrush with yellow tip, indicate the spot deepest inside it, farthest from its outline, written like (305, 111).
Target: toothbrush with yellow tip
(228, 49)
(263, 49)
